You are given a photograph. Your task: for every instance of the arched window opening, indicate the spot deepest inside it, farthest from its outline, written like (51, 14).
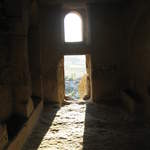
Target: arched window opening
(73, 27)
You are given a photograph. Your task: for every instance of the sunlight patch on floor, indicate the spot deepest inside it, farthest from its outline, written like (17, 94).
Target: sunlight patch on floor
(67, 129)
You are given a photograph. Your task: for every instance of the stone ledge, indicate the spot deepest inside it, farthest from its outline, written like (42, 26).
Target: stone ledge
(26, 130)
(128, 102)
(25, 109)
(3, 136)
(131, 101)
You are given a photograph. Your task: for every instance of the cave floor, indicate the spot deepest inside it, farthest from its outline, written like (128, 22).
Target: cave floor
(88, 126)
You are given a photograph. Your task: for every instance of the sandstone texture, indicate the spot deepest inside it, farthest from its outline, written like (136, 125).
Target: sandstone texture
(88, 126)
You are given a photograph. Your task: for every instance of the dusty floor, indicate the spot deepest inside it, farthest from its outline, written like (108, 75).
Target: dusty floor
(89, 127)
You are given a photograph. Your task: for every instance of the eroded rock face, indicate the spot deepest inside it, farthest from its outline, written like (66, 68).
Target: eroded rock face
(84, 87)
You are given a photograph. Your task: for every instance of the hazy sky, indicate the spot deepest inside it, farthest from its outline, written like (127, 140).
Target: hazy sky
(74, 60)
(75, 64)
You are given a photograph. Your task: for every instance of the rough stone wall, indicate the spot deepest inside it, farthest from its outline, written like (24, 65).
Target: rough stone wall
(34, 50)
(137, 27)
(15, 75)
(106, 49)
(50, 42)
(104, 45)
(5, 68)
(18, 44)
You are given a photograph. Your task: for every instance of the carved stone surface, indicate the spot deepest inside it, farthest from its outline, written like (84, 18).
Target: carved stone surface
(25, 108)
(3, 136)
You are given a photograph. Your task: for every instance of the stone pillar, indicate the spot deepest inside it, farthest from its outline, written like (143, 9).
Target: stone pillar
(35, 61)
(34, 50)
(21, 76)
(18, 46)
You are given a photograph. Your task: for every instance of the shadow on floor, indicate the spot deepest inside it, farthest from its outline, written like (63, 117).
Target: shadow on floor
(111, 128)
(44, 123)
(107, 127)
(16, 122)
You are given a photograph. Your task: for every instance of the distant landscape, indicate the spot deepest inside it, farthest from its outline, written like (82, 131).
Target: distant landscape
(75, 68)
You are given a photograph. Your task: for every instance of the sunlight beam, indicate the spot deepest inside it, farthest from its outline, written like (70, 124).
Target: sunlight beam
(67, 129)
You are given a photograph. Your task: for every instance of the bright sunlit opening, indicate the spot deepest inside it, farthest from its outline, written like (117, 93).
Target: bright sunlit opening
(74, 69)
(73, 28)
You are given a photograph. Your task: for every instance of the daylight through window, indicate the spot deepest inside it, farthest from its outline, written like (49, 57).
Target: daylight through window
(73, 28)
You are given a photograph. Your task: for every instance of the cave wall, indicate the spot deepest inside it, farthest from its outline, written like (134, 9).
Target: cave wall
(50, 57)
(103, 44)
(16, 66)
(16, 60)
(106, 49)
(137, 21)
(34, 52)
(32, 49)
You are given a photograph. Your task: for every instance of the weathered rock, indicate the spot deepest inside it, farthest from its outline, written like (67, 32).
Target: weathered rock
(3, 136)
(84, 87)
(25, 108)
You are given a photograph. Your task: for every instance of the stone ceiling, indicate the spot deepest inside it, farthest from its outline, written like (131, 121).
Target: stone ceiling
(47, 2)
